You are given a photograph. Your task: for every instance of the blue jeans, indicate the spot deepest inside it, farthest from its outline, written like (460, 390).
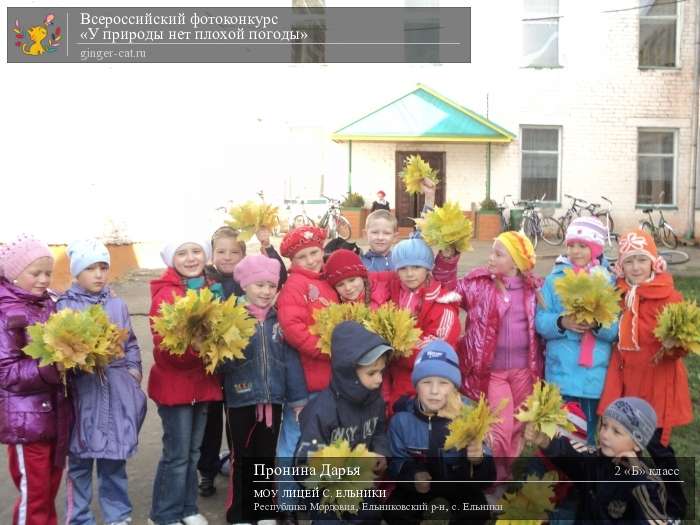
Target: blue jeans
(175, 486)
(589, 407)
(113, 493)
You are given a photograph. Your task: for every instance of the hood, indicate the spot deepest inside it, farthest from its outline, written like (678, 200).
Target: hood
(351, 341)
(79, 294)
(169, 278)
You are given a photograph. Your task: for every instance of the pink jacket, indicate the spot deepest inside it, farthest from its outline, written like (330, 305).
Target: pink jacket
(480, 299)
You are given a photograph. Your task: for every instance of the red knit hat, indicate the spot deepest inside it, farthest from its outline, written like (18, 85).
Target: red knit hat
(300, 238)
(343, 264)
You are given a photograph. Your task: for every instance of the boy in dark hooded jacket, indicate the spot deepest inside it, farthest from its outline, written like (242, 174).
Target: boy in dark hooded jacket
(351, 408)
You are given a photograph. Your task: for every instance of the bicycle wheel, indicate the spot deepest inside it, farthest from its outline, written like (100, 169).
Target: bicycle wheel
(602, 217)
(530, 230)
(674, 256)
(668, 238)
(343, 228)
(552, 231)
(612, 249)
(303, 220)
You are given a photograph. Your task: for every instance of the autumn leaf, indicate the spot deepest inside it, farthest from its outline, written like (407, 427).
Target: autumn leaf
(326, 319)
(529, 505)
(680, 322)
(397, 326)
(414, 171)
(249, 217)
(472, 424)
(545, 408)
(589, 298)
(446, 227)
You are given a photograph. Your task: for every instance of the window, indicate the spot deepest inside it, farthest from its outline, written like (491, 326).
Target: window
(657, 34)
(656, 166)
(541, 33)
(540, 163)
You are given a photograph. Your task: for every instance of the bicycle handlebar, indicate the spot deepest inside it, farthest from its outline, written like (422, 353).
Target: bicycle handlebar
(575, 199)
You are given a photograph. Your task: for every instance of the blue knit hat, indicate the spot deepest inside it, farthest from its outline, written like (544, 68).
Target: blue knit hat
(437, 359)
(412, 252)
(84, 253)
(636, 415)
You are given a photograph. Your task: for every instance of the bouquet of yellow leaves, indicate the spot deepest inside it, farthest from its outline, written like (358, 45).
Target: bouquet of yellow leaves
(249, 217)
(414, 171)
(85, 340)
(343, 464)
(678, 325)
(446, 227)
(215, 330)
(397, 326)
(545, 408)
(589, 298)
(472, 424)
(529, 505)
(326, 319)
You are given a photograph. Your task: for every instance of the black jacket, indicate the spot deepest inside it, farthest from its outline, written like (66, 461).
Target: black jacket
(231, 287)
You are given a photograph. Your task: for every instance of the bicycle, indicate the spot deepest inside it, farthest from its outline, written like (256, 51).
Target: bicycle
(600, 213)
(674, 256)
(301, 219)
(505, 220)
(577, 207)
(662, 231)
(333, 222)
(545, 226)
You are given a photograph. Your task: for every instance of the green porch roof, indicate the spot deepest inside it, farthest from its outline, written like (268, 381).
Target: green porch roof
(423, 116)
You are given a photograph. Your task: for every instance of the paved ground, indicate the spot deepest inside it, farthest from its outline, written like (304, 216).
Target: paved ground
(141, 469)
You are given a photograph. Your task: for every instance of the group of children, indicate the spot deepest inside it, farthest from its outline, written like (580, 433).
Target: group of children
(287, 398)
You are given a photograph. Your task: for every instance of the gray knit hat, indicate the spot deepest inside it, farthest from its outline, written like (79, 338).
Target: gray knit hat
(636, 415)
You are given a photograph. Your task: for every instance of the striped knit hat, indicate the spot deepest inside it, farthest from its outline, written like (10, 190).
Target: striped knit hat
(589, 231)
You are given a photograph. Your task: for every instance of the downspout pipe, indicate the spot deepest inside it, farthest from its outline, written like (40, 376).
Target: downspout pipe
(695, 168)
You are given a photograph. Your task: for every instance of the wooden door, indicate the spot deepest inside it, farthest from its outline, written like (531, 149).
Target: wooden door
(409, 206)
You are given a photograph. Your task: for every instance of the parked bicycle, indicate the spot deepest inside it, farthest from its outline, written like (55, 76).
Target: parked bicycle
(333, 222)
(502, 211)
(540, 224)
(662, 230)
(578, 206)
(674, 256)
(602, 214)
(301, 219)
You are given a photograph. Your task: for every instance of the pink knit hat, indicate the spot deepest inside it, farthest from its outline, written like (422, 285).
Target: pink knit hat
(256, 268)
(589, 231)
(16, 255)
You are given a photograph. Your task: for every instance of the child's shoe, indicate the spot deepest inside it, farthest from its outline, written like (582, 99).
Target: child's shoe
(206, 487)
(195, 519)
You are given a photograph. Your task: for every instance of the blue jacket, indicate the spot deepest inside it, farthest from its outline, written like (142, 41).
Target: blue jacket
(563, 348)
(270, 373)
(417, 445)
(377, 263)
(109, 410)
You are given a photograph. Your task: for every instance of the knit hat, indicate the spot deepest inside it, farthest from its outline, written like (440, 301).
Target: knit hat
(300, 238)
(84, 253)
(168, 251)
(636, 415)
(343, 264)
(16, 255)
(381, 192)
(589, 231)
(412, 252)
(639, 242)
(520, 249)
(437, 359)
(256, 268)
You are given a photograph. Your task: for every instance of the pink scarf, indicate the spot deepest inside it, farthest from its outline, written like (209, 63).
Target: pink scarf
(585, 358)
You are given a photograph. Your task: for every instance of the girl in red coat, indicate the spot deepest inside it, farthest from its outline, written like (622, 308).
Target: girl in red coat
(181, 389)
(345, 272)
(638, 366)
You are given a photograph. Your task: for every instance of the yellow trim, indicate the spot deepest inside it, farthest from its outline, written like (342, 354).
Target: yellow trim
(388, 138)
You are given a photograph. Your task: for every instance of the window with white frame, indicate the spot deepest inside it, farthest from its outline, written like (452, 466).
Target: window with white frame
(656, 166)
(541, 33)
(658, 28)
(540, 163)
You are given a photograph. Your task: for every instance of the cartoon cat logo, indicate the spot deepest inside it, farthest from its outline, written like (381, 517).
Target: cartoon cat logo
(36, 36)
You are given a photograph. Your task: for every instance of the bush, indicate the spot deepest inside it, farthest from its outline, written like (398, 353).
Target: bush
(488, 204)
(354, 200)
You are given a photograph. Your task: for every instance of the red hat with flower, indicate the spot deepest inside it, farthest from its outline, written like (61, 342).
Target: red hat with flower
(300, 238)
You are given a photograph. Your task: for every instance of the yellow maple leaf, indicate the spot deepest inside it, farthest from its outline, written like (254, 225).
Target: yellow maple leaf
(445, 227)
(414, 171)
(397, 326)
(250, 216)
(472, 424)
(545, 408)
(588, 297)
(327, 318)
(680, 322)
(529, 505)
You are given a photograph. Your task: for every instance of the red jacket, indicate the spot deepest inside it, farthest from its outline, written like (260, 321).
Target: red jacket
(177, 380)
(438, 318)
(304, 292)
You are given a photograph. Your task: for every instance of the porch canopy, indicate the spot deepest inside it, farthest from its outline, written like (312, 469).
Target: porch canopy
(423, 115)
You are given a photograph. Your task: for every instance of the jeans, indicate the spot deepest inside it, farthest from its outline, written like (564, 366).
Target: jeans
(175, 485)
(113, 493)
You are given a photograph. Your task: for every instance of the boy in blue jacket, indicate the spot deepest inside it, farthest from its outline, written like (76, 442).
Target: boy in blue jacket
(417, 434)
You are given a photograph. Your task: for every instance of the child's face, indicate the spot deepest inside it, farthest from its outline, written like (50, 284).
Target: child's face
(189, 260)
(433, 392)
(615, 439)
(262, 293)
(36, 277)
(227, 254)
(381, 235)
(370, 376)
(94, 277)
(413, 276)
(350, 289)
(310, 258)
(637, 268)
(578, 253)
(500, 261)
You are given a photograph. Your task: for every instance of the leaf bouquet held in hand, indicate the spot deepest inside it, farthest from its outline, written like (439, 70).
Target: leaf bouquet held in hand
(589, 298)
(472, 424)
(249, 217)
(446, 227)
(327, 318)
(678, 326)
(414, 171)
(215, 330)
(544, 407)
(397, 326)
(76, 340)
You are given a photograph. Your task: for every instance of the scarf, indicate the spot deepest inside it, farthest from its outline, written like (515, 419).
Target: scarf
(657, 286)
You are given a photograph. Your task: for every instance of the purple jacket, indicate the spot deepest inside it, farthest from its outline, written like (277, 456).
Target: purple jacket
(481, 300)
(109, 409)
(33, 404)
